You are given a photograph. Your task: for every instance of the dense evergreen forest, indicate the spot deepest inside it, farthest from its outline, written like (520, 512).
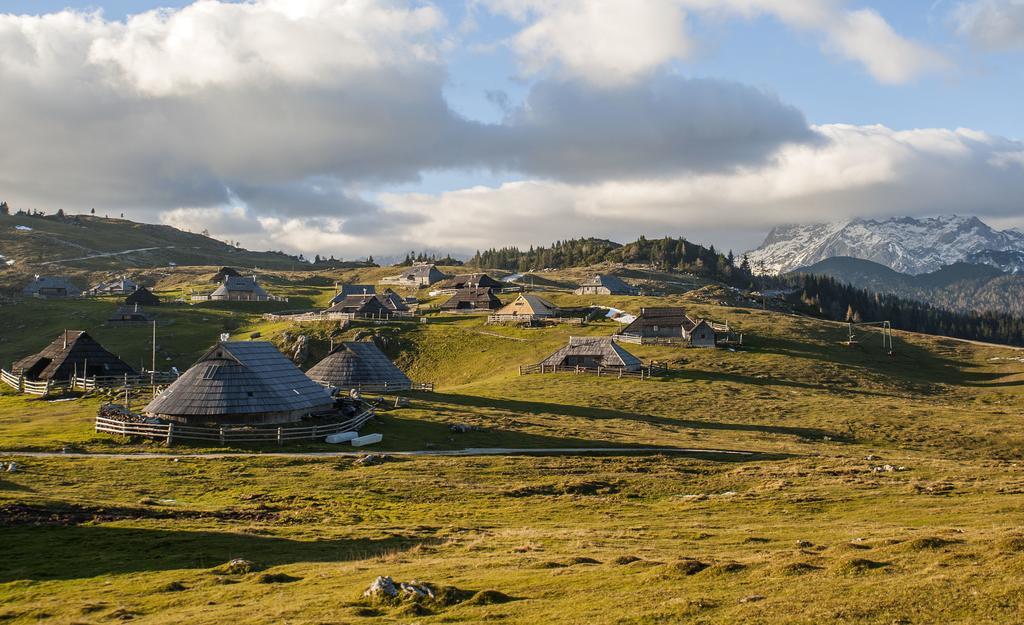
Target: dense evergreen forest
(668, 254)
(827, 297)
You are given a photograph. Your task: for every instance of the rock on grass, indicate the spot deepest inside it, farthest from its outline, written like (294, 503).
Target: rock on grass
(237, 566)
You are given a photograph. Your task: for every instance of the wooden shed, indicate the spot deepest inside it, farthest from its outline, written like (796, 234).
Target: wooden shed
(241, 382)
(359, 365)
(472, 280)
(603, 284)
(142, 297)
(526, 307)
(592, 352)
(341, 291)
(46, 287)
(129, 316)
(658, 322)
(118, 286)
(240, 289)
(472, 300)
(364, 305)
(418, 275)
(72, 353)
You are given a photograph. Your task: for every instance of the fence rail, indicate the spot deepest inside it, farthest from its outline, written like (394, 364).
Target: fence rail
(390, 388)
(83, 383)
(337, 316)
(643, 373)
(224, 435)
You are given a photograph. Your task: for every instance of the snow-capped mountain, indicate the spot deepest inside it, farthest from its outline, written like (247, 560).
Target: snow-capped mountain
(905, 244)
(1010, 261)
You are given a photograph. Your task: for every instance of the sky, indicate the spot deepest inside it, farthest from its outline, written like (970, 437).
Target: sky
(355, 127)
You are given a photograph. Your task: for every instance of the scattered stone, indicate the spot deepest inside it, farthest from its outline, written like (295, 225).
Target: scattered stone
(381, 588)
(10, 467)
(370, 460)
(461, 428)
(888, 468)
(804, 544)
(753, 598)
(238, 566)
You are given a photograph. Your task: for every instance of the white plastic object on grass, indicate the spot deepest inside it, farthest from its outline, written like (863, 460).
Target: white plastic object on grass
(369, 439)
(341, 437)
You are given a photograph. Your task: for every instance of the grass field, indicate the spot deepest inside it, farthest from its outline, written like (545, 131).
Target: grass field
(880, 489)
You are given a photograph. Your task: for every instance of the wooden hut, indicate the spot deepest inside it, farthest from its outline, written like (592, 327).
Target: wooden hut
(247, 382)
(591, 352)
(416, 276)
(129, 316)
(223, 273)
(603, 284)
(344, 290)
(119, 286)
(359, 365)
(472, 300)
(472, 280)
(393, 301)
(363, 305)
(142, 297)
(672, 324)
(240, 289)
(47, 287)
(72, 353)
(526, 307)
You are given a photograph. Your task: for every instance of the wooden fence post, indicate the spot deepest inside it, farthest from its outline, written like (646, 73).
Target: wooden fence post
(221, 429)
(279, 439)
(170, 433)
(314, 432)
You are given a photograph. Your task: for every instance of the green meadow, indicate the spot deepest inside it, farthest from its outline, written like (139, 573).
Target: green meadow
(872, 488)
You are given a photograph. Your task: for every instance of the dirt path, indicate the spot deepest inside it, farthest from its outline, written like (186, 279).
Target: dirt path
(473, 451)
(107, 254)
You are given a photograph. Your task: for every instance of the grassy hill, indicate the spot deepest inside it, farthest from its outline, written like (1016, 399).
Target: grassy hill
(873, 488)
(99, 243)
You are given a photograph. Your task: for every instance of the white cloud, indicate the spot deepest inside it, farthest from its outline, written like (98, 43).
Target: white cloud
(611, 42)
(991, 24)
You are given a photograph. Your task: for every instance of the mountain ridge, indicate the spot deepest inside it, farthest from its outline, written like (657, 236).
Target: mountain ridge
(905, 244)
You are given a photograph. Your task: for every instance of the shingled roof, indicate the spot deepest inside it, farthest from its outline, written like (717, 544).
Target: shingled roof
(661, 317)
(602, 348)
(244, 287)
(142, 297)
(241, 382)
(614, 284)
(528, 305)
(468, 280)
(52, 286)
(72, 352)
(472, 299)
(344, 290)
(360, 305)
(356, 365)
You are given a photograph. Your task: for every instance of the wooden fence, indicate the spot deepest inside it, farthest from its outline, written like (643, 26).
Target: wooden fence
(228, 435)
(83, 383)
(309, 317)
(390, 388)
(644, 373)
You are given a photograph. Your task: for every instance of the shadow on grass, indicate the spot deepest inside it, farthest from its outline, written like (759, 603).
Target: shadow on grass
(586, 412)
(85, 551)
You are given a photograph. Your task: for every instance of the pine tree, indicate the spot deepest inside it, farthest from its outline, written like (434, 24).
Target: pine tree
(4, 209)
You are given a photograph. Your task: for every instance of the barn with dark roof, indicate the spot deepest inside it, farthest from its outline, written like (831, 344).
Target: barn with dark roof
(472, 300)
(592, 352)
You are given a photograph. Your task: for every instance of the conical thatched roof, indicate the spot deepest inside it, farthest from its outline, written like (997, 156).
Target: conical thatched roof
(599, 350)
(241, 382)
(73, 352)
(142, 297)
(358, 364)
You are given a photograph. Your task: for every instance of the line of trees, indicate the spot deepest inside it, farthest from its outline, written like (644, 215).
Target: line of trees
(826, 297)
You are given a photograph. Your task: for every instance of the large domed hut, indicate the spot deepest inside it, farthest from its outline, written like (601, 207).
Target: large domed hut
(241, 382)
(359, 365)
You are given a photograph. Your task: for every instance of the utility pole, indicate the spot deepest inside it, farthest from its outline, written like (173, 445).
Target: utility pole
(152, 367)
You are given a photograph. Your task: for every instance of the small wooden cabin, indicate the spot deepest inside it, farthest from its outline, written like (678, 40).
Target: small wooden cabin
(364, 305)
(472, 300)
(472, 281)
(142, 297)
(591, 352)
(129, 316)
(119, 286)
(240, 289)
(603, 284)
(241, 382)
(73, 353)
(672, 324)
(416, 276)
(526, 307)
(344, 290)
(51, 287)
